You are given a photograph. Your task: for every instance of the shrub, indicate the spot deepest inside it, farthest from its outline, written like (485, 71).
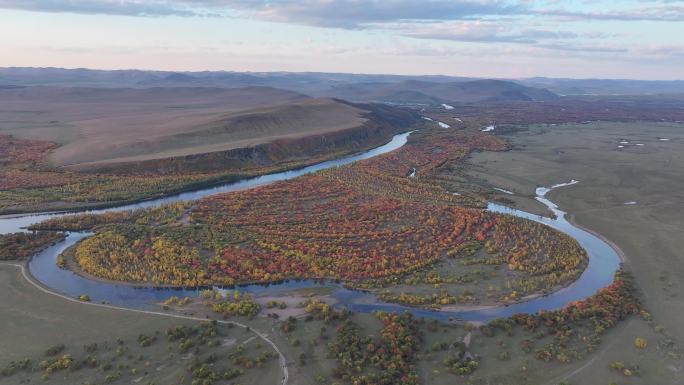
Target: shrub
(640, 343)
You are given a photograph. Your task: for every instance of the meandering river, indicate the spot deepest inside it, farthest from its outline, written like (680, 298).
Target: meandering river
(603, 259)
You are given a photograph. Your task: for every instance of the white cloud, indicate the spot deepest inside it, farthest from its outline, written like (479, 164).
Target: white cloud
(483, 31)
(649, 13)
(327, 13)
(351, 13)
(110, 7)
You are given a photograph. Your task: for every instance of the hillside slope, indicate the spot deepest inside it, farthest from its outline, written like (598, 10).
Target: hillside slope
(228, 131)
(66, 115)
(282, 136)
(423, 92)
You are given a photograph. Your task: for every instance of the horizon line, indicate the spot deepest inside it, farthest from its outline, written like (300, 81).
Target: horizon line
(339, 73)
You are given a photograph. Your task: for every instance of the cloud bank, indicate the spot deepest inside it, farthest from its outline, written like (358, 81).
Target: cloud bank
(557, 27)
(351, 13)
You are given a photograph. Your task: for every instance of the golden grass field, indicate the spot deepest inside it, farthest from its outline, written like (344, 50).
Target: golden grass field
(117, 125)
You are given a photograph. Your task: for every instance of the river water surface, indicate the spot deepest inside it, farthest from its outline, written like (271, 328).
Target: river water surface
(603, 259)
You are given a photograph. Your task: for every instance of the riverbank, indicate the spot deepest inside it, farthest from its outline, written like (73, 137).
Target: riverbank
(17, 224)
(109, 291)
(646, 235)
(365, 304)
(135, 329)
(228, 178)
(140, 296)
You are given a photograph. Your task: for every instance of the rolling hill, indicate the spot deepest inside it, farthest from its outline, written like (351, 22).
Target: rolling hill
(423, 92)
(228, 131)
(427, 89)
(99, 127)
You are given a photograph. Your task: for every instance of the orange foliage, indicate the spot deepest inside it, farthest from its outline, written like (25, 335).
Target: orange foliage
(358, 222)
(15, 150)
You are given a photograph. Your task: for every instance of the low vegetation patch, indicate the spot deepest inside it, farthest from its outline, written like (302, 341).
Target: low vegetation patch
(183, 354)
(19, 246)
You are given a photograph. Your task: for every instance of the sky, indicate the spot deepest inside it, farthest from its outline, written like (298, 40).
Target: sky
(636, 39)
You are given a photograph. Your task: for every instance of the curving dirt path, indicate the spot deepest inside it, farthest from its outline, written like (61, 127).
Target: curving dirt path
(598, 355)
(281, 357)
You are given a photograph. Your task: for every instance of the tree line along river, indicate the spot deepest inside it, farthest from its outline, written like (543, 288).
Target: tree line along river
(604, 260)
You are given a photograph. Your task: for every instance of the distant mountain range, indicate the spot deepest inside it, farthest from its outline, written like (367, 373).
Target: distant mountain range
(607, 86)
(311, 82)
(424, 92)
(397, 89)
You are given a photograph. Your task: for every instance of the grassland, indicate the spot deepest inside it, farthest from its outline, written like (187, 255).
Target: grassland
(88, 121)
(100, 345)
(255, 236)
(630, 194)
(130, 145)
(325, 346)
(507, 352)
